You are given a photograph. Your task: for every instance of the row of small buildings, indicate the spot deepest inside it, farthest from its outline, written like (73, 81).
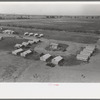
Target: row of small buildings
(34, 34)
(20, 51)
(86, 53)
(45, 57)
(8, 31)
(25, 44)
(56, 60)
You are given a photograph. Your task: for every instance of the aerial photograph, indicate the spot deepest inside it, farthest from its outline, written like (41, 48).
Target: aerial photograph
(49, 42)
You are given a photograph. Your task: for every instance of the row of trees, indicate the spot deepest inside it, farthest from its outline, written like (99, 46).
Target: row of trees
(19, 17)
(86, 17)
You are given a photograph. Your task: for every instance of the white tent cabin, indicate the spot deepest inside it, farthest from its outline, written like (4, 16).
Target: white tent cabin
(25, 44)
(31, 42)
(26, 33)
(8, 31)
(57, 60)
(36, 34)
(53, 45)
(41, 35)
(18, 45)
(85, 52)
(82, 57)
(90, 47)
(31, 34)
(36, 40)
(1, 38)
(18, 51)
(45, 57)
(25, 53)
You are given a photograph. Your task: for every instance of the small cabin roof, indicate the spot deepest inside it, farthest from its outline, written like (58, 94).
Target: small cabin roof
(58, 58)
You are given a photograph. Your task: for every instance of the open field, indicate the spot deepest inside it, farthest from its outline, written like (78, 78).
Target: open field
(73, 34)
(84, 31)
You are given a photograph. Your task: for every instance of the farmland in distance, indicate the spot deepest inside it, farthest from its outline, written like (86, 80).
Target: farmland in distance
(76, 30)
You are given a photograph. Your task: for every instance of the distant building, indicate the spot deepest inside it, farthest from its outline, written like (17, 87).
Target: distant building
(8, 31)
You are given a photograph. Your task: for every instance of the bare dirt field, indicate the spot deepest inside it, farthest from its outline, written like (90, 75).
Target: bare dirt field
(18, 69)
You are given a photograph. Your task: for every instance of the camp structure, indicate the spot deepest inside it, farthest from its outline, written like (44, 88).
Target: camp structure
(82, 57)
(30, 42)
(25, 44)
(53, 46)
(36, 40)
(26, 33)
(41, 35)
(1, 38)
(45, 57)
(90, 48)
(57, 60)
(18, 45)
(31, 34)
(18, 51)
(25, 53)
(86, 53)
(8, 31)
(36, 34)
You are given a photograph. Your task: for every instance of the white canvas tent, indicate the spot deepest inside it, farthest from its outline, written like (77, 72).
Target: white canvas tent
(85, 53)
(15, 52)
(30, 42)
(36, 40)
(82, 57)
(56, 60)
(45, 57)
(31, 34)
(41, 35)
(18, 45)
(36, 34)
(25, 44)
(89, 47)
(26, 33)
(25, 53)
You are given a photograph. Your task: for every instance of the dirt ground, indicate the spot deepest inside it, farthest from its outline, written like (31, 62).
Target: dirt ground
(18, 69)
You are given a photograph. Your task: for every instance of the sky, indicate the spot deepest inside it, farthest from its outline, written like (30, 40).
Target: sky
(51, 8)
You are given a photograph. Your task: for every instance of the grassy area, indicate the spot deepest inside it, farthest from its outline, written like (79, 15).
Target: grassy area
(71, 61)
(62, 24)
(81, 31)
